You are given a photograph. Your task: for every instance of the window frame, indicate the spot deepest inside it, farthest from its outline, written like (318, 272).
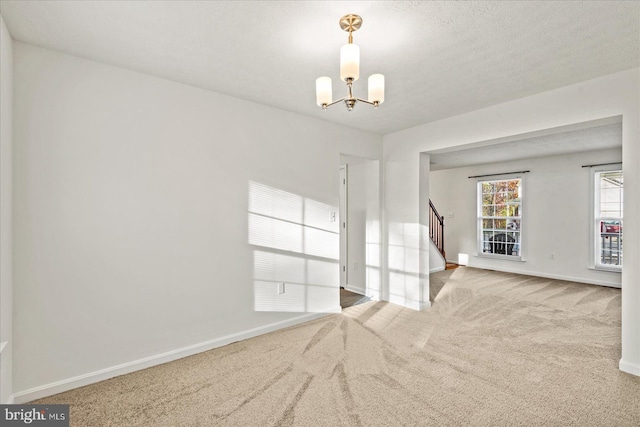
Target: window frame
(480, 217)
(595, 217)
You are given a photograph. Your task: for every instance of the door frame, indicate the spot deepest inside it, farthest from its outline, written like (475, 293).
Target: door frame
(344, 226)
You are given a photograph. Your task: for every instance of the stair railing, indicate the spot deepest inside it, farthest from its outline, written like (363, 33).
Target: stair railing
(436, 228)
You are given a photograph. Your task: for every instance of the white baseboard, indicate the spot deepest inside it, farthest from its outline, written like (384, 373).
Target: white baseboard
(404, 302)
(629, 368)
(357, 290)
(435, 270)
(147, 362)
(550, 276)
(424, 305)
(375, 295)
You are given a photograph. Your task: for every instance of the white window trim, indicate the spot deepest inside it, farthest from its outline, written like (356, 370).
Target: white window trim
(594, 200)
(479, 252)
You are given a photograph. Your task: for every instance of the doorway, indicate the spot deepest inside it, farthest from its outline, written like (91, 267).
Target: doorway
(360, 233)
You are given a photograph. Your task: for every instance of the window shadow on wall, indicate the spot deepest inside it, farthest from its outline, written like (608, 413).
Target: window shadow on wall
(296, 251)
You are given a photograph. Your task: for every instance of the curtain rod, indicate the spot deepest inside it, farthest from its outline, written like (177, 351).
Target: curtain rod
(602, 164)
(496, 174)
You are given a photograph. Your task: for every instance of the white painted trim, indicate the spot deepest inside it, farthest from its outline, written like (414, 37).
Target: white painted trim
(147, 362)
(501, 257)
(3, 344)
(611, 269)
(436, 269)
(9, 401)
(523, 214)
(594, 232)
(629, 368)
(343, 226)
(356, 289)
(424, 305)
(551, 276)
(404, 302)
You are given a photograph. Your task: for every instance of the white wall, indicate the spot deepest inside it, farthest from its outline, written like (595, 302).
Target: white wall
(364, 228)
(154, 218)
(6, 280)
(436, 261)
(556, 218)
(608, 96)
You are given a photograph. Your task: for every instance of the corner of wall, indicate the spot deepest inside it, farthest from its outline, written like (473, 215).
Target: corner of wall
(629, 368)
(6, 196)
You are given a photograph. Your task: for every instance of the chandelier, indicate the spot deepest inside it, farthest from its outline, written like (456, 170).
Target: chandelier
(349, 72)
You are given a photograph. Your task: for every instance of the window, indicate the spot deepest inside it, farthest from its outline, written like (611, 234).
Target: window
(607, 227)
(500, 218)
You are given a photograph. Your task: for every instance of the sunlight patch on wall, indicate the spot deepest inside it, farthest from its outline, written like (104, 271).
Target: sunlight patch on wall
(404, 263)
(279, 267)
(298, 298)
(275, 203)
(295, 268)
(373, 258)
(463, 259)
(374, 286)
(274, 233)
(321, 243)
(315, 215)
(285, 221)
(373, 254)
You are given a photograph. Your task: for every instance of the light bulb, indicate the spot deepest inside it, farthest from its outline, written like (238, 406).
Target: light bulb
(376, 88)
(323, 91)
(349, 62)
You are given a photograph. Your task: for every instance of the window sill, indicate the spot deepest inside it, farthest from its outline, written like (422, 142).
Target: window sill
(607, 269)
(501, 257)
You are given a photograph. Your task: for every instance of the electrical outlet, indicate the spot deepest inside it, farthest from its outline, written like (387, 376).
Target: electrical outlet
(355, 265)
(280, 288)
(332, 217)
(450, 215)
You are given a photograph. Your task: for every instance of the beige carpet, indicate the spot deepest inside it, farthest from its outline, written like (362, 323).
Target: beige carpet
(495, 349)
(437, 282)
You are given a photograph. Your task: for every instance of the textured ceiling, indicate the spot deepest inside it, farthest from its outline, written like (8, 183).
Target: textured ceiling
(575, 141)
(439, 58)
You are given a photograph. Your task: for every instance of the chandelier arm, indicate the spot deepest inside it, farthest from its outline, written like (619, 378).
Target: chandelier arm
(374, 103)
(365, 101)
(324, 106)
